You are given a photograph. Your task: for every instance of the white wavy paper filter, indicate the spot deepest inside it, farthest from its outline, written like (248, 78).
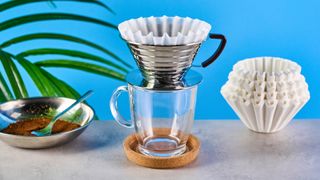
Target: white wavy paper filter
(164, 30)
(268, 65)
(266, 99)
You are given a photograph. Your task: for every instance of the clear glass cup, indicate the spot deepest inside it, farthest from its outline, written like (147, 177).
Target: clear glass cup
(162, 118)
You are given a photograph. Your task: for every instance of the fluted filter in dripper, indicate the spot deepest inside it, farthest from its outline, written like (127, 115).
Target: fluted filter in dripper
(164, 31)
(164, 47)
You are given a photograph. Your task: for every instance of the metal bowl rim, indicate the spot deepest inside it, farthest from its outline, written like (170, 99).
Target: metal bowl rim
(58, 134)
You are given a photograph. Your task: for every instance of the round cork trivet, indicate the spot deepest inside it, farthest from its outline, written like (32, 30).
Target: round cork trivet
(130, 149)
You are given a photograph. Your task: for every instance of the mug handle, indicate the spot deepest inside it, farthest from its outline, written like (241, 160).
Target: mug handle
(114, 107)
(217, 53)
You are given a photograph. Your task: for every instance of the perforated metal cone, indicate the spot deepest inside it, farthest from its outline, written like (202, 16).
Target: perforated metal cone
(164, 64)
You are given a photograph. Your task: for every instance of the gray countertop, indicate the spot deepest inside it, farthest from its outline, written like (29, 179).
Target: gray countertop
(228, 151)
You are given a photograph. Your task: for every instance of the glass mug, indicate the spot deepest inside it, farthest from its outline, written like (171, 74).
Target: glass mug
(162, 118)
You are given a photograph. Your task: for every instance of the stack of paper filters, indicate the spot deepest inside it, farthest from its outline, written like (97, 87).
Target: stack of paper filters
(266, 92)
(164, 47)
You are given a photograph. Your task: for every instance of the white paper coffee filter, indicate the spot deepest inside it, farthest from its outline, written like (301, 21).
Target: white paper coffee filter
(262, 91)
(269, 65)
(296, 84)
(265, 116)
(266, 99)
(164, 30)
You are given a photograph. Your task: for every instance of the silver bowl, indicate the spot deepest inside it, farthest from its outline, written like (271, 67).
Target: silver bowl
(24, 109)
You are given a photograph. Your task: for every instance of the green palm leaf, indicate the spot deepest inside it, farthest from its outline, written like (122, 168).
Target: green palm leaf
(64, 89)
(16, 3)
(88, 67)
(61, 37)
(73, 53)
(5, 93)
(50, 16)
(50, 2)
(13, 75)
(56, 88)
(41, 81)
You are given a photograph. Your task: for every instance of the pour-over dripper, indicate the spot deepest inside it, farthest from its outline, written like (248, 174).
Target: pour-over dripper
(164, 47)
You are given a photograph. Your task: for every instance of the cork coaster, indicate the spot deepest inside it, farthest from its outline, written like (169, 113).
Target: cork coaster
(130, 146)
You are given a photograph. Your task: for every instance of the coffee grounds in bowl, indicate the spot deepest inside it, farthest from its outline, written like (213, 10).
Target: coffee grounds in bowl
(25, 127)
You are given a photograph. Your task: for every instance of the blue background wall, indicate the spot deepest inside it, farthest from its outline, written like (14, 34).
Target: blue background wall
(283, 28)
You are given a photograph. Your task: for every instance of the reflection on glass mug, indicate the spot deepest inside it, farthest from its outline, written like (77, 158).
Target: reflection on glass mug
(162, 116)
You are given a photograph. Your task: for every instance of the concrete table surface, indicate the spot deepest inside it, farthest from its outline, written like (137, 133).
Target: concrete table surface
(228, 151)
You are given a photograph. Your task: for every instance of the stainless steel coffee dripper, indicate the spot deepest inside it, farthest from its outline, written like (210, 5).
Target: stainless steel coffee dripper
(162, 97)
(167, 64)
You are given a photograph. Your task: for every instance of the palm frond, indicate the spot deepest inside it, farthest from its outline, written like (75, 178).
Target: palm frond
(41, 81)
(13, 75)
(5, 93)
(88, 67)
(72, 53)
(34, 36)
(50, 16)
(64, 89)
(16, 3)
(13, 85)
(51, 3)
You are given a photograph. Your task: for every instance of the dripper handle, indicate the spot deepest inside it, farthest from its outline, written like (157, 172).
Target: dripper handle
(114, 107)
(218, 51)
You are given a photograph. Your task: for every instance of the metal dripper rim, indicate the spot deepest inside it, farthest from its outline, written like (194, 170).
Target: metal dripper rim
(191, 78)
